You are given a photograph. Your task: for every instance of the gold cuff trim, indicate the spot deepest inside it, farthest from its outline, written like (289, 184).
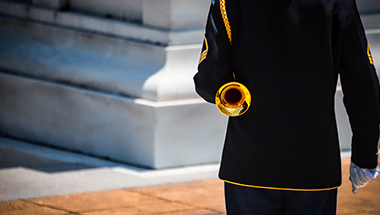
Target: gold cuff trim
(278, 188)
(369, 55)
(204, 53)
(225, 19)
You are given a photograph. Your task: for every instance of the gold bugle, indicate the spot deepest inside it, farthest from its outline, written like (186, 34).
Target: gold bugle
(233, 99)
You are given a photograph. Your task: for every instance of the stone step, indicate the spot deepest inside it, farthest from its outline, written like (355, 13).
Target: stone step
(96, 62)
(68, 84)
(109, 27)
(135, 131)
(371, 21)
(29, 170)
(97, 93)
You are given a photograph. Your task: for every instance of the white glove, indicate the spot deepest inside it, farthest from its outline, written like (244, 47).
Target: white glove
(360, 177)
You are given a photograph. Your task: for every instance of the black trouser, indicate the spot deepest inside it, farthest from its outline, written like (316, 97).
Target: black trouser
(242, 200)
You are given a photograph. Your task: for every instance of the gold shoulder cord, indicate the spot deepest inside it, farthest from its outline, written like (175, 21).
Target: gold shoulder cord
(226, 23)
(228, 29)
(225, 19)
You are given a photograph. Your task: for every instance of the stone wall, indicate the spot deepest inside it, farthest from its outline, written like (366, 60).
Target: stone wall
(113, 87)
(165, 14)
(368, 6)
(114, 78)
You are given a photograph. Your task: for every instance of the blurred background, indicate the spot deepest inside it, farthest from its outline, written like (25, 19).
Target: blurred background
(112, 80)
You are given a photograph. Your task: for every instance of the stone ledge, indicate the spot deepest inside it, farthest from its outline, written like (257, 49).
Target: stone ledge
(123, 9)
(99, 63)
(57, 4)
(123, 129)
(371, 21)
(102, 25)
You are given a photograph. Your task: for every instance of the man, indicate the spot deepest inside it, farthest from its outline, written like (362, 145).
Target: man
(282, 156)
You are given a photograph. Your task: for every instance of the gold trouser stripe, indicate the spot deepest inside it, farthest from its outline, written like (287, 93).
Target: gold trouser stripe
(204, 53)
(225, 19)
(278, 188)
(369, 55)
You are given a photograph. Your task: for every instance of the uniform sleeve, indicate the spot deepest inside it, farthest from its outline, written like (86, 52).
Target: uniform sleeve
(215, 66)
(360, 87)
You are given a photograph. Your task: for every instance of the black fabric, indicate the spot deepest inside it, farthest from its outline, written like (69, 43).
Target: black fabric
(289, 53)
(254, 201)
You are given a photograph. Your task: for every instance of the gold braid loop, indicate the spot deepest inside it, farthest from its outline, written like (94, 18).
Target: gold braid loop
(225, 19)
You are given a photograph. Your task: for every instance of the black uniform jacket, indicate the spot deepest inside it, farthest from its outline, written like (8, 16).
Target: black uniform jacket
(289, 53)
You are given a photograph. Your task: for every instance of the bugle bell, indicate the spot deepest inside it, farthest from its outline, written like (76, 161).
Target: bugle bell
(233, 99)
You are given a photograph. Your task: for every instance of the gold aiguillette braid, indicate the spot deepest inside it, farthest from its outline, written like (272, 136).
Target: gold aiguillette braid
(225, 19)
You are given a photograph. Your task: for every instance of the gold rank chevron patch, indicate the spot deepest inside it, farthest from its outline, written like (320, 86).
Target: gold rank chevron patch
(369, 55)
(204, 53)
